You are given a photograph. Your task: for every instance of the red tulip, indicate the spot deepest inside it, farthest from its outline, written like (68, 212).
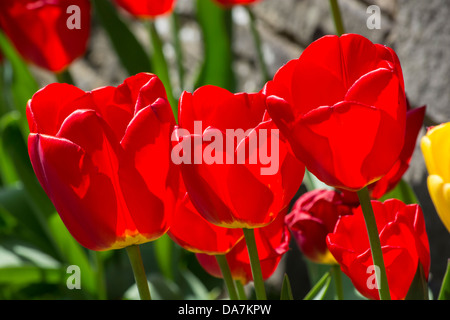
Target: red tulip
(103, 158)
(313, 217)
(236, 2)
(272, 243)
(147, 8)
(192, 232)
(50, 33)
(404, 244)
(342, 107)
(238, 171)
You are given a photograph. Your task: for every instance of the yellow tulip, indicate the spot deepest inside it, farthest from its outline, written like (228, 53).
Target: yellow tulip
(435, 147)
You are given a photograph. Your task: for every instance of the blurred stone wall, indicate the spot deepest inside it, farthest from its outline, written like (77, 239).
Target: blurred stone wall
(418, 30)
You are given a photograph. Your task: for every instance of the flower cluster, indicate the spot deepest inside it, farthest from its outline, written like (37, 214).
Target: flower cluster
(219, 176)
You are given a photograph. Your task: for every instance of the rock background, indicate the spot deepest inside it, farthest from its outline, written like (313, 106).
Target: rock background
(418, 30)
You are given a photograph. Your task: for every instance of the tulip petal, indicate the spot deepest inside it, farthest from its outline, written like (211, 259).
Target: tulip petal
(138, 209)
(146, 9)
(201, 236)
(367, 133)
(440, 195)
(205, 182)
(58, 164)
(381, 89)
(148, 146)
(217, 107)
(318, 76)
(436, 150)
(49, 107)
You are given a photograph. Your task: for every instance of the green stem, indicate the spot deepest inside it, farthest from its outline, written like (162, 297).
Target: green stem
(240, 290)
(178, 49)
(226, 273)
(258, 280)
(101, 284)
(337, 17)
(375, 245)
(258, 45)
(134, 254)
(160, 66)
(64, 77)
(338, 281)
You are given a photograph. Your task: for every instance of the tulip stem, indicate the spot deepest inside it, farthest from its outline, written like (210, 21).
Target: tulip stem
(258, 45)
(226, 273)
(255, 265)
(337, 17)
(134, 254)
(241, 290)
(101, 284)
(64, 77)
(161, 68)
(336, 270)
(375, 244)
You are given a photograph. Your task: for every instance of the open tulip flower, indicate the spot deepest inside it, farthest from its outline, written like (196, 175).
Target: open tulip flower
(435, 148)
(238, 171)
(103, 158)
(147, 8)
(313, 217)
(49, 34)
(272, 242)
(342, 107)
(404, 243)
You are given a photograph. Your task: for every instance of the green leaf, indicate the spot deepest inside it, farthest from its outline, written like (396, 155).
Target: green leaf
(444, 293)
(68, 250)
(19, 81)
(15, 145)
(419, 286)
(216, 26)
(20, 217)
(20, 275)
(129, 50)
(73, 254)
(286, 292)
(403, 192)
(320, 288)
(165, 253)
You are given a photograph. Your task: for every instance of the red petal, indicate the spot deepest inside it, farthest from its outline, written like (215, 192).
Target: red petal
(147, 9)
(49, 107)
(205, 182)
(201, 236)
(86, 204)
(221, 109)
(319, 76)
(353, 146)
(380, 89)
(148, 135)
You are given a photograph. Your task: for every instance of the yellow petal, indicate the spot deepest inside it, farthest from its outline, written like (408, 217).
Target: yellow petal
(440, 195)
(436, 150)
